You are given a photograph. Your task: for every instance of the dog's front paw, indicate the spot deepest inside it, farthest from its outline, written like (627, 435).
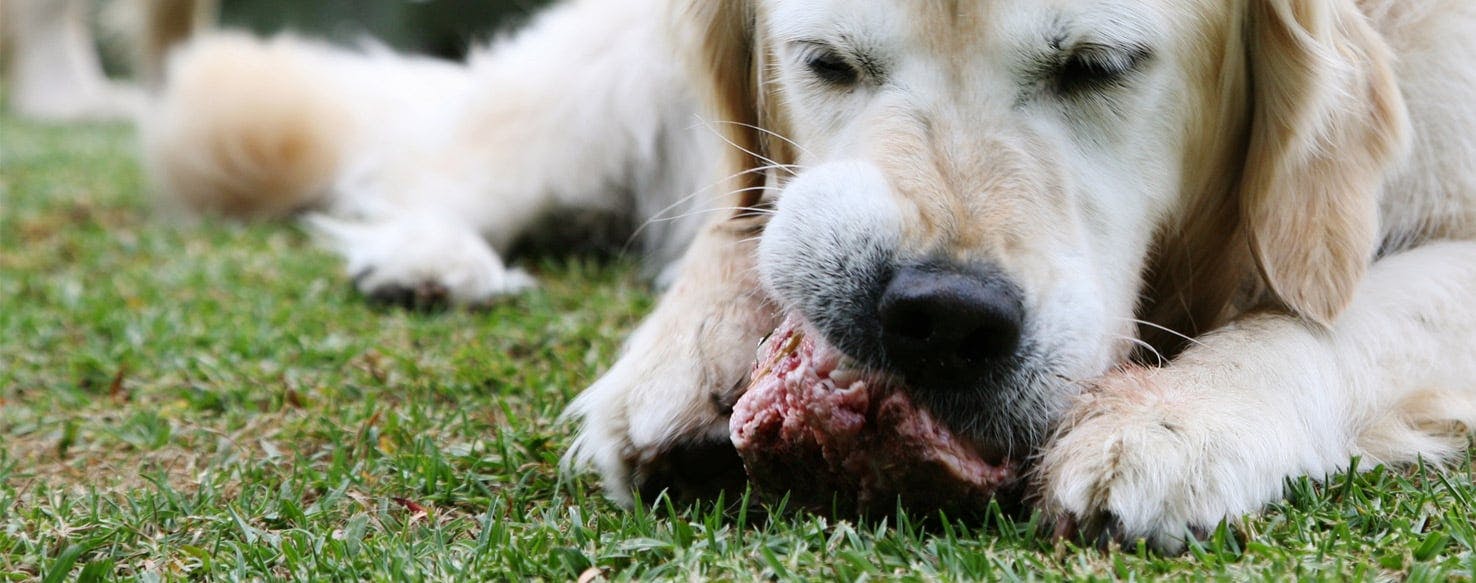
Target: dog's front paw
(658, 420)
(646, 436)
(421, 262)
(1145, 455)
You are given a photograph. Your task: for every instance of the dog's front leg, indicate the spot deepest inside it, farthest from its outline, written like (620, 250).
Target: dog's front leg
(1163, 454)
(659, 418)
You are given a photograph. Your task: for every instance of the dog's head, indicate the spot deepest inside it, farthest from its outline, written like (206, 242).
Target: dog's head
(999, 198)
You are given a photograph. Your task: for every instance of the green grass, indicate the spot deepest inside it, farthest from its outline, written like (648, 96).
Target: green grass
(211, 401)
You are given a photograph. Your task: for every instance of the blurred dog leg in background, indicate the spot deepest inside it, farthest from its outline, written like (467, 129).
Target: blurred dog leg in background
(53, 71)
(165, 24)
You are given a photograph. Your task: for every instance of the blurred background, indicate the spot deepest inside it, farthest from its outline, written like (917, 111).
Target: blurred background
(440, 28)
(57, 56)
(445, 28)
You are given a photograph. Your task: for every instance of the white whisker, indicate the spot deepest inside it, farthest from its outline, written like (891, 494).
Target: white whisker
(756, 155)
(1163, 328)
(708, 211)
(1149, 347)
(769, 132)
(659, 215)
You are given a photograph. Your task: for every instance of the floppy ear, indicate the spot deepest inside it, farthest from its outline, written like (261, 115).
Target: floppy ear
(1328, 122)
(732, 57)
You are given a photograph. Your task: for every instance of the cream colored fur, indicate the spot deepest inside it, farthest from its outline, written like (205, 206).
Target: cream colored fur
(1329, 285)
(423, 173)
(1290, 185)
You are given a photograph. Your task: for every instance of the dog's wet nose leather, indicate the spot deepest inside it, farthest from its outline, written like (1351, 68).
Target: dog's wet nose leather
(947, 327)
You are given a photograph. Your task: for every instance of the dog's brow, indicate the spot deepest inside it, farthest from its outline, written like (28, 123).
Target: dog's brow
(1118, 30)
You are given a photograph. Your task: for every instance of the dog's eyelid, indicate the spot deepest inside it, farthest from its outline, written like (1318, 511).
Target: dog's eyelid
(831, 64)
(1088, 66)
(1123, 58)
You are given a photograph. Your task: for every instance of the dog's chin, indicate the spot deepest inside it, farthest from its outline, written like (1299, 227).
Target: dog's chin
(838, 437)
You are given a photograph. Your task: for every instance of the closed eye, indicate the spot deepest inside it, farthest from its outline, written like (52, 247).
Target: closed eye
(1095, 68)
(829, 65)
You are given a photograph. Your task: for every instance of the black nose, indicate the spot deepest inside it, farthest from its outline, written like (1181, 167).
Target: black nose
(944, 326)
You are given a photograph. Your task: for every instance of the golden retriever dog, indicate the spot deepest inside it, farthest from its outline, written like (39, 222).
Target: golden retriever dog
(50, 55)
(1168, 253)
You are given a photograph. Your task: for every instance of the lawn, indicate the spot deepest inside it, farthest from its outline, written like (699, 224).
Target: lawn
(212, 401)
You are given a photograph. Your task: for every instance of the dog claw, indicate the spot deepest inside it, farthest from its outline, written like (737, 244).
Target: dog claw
(1100, 530)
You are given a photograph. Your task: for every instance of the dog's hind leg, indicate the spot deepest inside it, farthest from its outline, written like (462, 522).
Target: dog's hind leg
(419, 260)
(585, 110)
(426, 173)
(253, 129)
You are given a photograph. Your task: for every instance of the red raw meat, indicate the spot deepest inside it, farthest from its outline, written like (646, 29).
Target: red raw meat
(840, 438)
